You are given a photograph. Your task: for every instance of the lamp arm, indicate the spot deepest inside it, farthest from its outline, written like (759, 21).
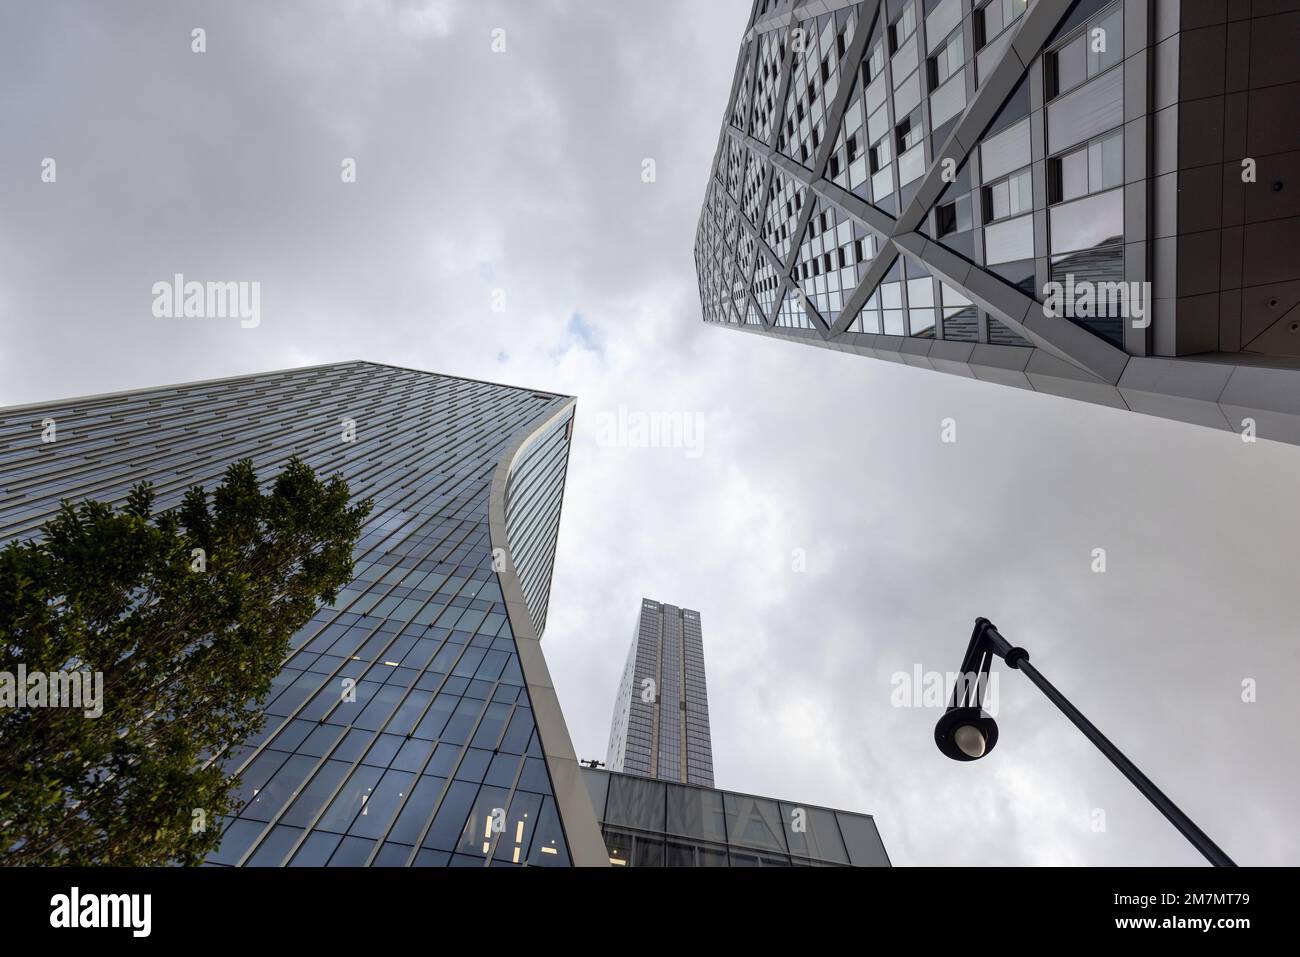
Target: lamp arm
(989, 638)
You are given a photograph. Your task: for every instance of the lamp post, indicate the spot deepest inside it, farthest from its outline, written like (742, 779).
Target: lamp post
(966, 732)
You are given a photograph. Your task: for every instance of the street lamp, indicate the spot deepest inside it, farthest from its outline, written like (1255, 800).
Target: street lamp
(967, 733)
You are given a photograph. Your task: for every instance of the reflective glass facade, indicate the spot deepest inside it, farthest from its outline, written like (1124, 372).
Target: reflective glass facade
(910, 179)
(660, 727)
(650, 823)
(401, 728)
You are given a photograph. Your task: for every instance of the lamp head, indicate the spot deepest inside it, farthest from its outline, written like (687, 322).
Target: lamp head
(966, 734)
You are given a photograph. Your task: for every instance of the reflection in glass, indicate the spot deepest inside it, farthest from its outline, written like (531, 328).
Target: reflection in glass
(820, 836)
(960, 317)
(1086, 223)
(754, 822)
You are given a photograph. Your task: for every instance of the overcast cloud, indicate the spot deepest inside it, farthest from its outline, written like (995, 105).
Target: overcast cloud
(521, 172)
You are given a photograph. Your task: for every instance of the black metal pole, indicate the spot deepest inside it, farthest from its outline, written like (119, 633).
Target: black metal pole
(1153, 794)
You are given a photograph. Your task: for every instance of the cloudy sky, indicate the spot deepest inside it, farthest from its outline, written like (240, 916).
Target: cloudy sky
(517, 174)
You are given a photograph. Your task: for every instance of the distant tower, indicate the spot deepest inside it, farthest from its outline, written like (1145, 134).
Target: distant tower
(661, 718)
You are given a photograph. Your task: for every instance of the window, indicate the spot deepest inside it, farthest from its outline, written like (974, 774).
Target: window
(1088, 223)
(994, 17)
(875, 62)
(911, 152)
(946, 62)
(1090, 169)
(862, 840)
(1009, 197)
(635, 802)
(1097, 47)
(960, 317)
(1105, 42)
(881, 154)
(891, 300)
(754, 822)
(908, 132)
(693, 812)
(954, 217)
(902, 28)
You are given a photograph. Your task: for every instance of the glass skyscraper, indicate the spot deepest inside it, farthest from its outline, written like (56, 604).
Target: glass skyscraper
(452, 750)
(661, 716)
(958, 185)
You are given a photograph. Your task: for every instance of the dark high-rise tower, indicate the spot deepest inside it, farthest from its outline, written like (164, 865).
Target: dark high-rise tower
(661, 718)
(908, 179)
(452, 748)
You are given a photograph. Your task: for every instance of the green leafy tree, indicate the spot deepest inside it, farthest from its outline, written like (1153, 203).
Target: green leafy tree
(188, 615)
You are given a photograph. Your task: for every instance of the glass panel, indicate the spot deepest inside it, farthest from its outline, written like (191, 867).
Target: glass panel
(679, 855)
(1009, 241)
(450, 822)
(1022, 192)
(1074, 175)
(754, 822)
(635, 802)
(1108, 35)
(512, 846)
(922, 321)
(282, 788)
(619, 845)
(862, 841)
(314, 795)
(409, 826)
(316, 850)
(382, 804)
(993, 19)
(999, 206)
(1112, 162)
(352, 852)
(814, 833)
(484, 822)
(1086, 223)
(920, 293)
(1071, 65)
(876, 63)
(549, 849)
(960, 319)
(648, 852)
(695, 812)
(941, 20)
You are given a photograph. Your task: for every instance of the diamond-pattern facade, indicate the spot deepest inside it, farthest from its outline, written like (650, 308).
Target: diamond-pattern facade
(992, 157)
